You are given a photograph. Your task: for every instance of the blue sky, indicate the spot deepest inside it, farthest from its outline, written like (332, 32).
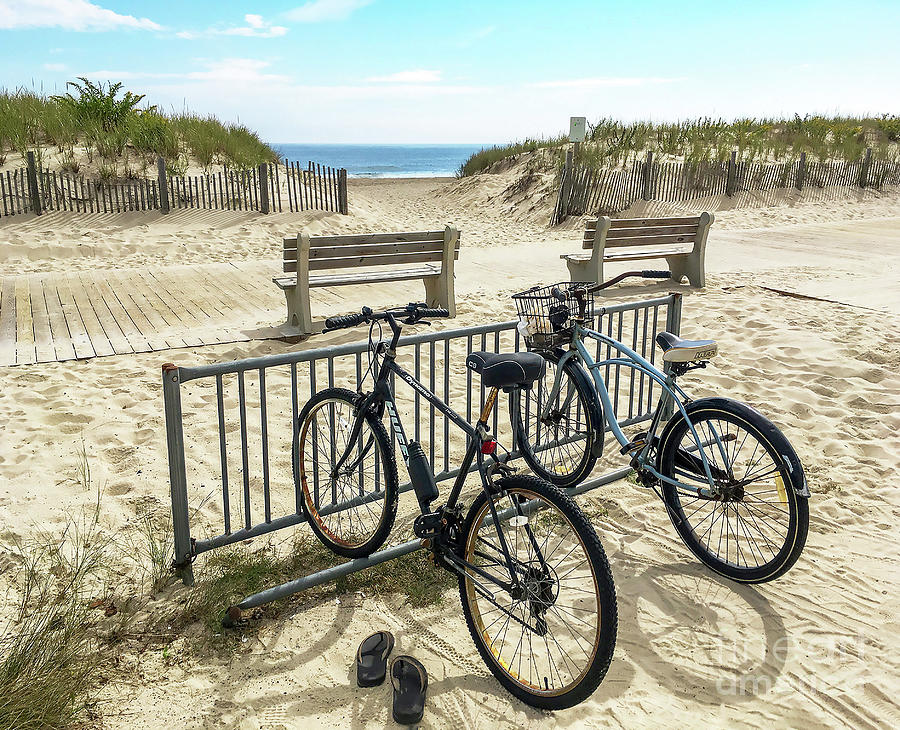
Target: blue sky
(426, 71)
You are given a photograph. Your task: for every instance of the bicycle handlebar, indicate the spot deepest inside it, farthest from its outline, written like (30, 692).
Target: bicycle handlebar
(412, 313)
(345, 320)
(646, 274)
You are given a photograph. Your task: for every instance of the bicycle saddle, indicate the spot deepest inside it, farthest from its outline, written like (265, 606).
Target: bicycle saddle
(676, 349)
(499, 370)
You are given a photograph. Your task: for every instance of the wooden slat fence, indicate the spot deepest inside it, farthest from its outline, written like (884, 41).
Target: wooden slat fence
(586, 191)
(266, 189)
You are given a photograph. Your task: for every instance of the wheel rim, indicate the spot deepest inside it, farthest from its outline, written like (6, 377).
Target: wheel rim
(556, 443)
(750, 528)
(358, 489)
(560, 592)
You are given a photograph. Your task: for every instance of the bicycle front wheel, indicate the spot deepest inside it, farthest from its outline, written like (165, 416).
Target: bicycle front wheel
(549, 640)
(757, 529)
(561, 436)
(351, 509)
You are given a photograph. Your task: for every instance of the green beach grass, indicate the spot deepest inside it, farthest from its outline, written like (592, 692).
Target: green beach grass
(611, 143)
(110, 127)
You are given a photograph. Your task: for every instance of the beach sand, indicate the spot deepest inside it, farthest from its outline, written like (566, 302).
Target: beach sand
(803, 297)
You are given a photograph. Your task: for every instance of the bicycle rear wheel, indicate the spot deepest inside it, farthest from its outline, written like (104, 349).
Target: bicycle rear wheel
(559, 438)
(551, 642)
(351, 511)
(758, 530)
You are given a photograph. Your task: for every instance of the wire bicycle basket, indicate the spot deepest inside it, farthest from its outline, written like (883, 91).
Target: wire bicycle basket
(547, 314)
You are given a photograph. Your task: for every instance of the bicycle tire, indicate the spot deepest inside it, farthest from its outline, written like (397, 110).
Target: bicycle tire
(752, 514)
(539, 586)
(587, 417)
(371, 528)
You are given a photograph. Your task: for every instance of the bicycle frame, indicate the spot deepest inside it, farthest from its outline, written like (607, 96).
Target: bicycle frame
(477, 434)
(666, 381)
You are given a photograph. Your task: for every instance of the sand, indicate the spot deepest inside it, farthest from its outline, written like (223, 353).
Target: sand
(802, 296)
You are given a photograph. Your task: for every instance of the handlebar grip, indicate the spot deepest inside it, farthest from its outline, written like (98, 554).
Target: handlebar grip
(344, 320)
(429, 313)
(652, 274)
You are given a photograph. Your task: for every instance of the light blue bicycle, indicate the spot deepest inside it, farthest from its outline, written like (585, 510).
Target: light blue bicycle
(732, 484)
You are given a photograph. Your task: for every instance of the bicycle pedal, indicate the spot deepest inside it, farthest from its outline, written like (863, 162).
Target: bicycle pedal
(428, 526)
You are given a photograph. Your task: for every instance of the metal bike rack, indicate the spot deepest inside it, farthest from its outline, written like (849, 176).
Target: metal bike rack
(254, 437)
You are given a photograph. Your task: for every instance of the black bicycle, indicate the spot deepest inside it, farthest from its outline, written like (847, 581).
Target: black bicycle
(534, 582)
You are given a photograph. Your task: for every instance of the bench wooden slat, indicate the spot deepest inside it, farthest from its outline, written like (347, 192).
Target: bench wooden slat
(346, 262)
(648, 240)
(283, 282)
(652, 231)
(353, 239)
(638, 254)
(632, 254)
(642, 222)
(377, 249)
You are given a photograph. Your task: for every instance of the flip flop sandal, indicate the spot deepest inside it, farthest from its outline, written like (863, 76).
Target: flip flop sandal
(410, 681)
(371, 658)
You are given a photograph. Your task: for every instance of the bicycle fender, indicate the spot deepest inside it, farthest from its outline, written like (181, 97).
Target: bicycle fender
(776, 438)
(578, 372)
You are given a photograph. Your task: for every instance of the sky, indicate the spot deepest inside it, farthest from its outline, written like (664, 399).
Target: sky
(429, 71)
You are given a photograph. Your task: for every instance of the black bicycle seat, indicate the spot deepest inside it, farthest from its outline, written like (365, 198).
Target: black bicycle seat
(500, 370)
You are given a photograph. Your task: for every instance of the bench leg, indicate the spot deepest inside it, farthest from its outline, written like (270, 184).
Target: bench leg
(439, 292)
(299, 313)
(691, 266)
(585, 270)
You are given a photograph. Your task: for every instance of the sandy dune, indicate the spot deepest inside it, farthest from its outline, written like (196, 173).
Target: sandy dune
(805, 302)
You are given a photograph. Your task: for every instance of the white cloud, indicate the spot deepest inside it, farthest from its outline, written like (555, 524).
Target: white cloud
(418, 76)
(256, 27)
(236, 70)
(78, 15)
(603, 81)
(321, 10)
(226, 70)
(54, 66)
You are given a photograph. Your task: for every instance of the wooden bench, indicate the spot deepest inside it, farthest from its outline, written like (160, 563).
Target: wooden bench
(681, 241)
(434, 251)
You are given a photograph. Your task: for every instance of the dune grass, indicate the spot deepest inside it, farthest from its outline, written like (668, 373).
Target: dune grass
(75, 597)
(109, 126)
(487, 156)
(611, 143)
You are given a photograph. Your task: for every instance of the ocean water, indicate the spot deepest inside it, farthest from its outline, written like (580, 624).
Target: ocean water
(383, 160)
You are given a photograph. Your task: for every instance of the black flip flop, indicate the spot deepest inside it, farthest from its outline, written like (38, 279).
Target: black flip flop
(371, 658)
(410, 681)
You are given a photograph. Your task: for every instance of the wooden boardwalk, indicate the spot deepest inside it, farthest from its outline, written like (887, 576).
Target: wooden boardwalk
(83, 314)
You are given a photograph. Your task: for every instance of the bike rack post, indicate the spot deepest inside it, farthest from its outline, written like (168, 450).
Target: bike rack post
(177, 474)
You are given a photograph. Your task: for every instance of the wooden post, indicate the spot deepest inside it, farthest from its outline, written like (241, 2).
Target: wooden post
(33, 190)
(343, 189)
(565, 184)
(163, 187)
(647, 192)
(801, 172)
(731, 178)
(263, 188)
(863, 169)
